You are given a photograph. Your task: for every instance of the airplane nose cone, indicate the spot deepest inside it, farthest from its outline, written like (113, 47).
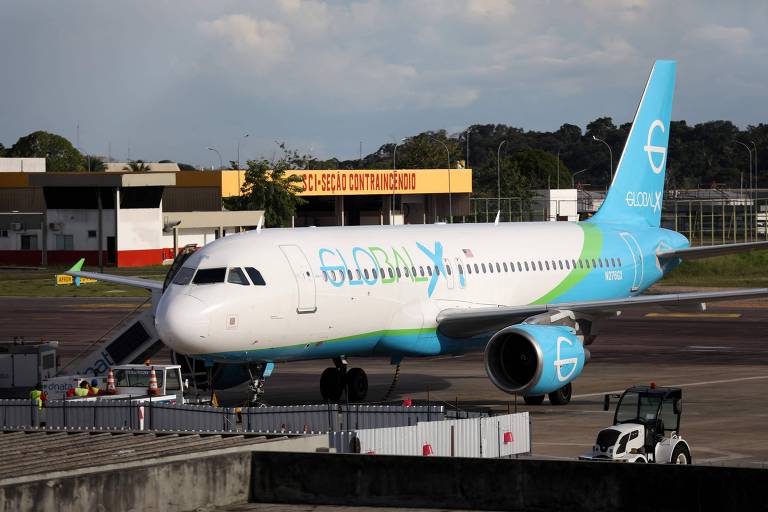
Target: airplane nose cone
(182, 322)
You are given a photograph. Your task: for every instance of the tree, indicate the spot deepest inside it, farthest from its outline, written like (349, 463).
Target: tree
(59, 154)
(268, 186)
(136, 166)
(2, 150)
(94, 164)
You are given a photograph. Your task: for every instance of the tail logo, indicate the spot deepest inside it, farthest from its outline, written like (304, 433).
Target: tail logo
(651, 150)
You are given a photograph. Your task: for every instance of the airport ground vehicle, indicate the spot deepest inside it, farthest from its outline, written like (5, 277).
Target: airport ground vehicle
(646, 429)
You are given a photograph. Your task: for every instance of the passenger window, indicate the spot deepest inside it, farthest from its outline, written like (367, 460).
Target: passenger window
(255, 276)
(413, 271)
(547, 264)
(429, 271)
(183, 276)
(526, 266)
(389, 271)
(520, 267)
(477, 269)
(437, 270)
(236, 276)
(448, 269)
(574, 263)
(365, 273)
(505, 267)
(512, 266)
(469, 268)
(483, 267)
(421, 271)
(381, 272)
(490, 268)
(619, 260)
(210, 275)
(541, 268)
(607, 263)
(325, 276)
(498, 267)
(613, 262)
(397, 270)
(593, 263)
(567, 265)
(561, 264)
(349, 274)
(586, 263)
(359, 277)
(373, 272)
(600, 261)
(342, 275)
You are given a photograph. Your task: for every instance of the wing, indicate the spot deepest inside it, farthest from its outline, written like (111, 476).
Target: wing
(690, 253)
(467, 322)
(138, 282)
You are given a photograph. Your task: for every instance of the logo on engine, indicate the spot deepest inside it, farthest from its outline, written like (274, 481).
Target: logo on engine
(559, 363)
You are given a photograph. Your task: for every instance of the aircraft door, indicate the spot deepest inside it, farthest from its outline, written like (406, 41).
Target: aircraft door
(449, 278)
(305, 282)
(637, 258)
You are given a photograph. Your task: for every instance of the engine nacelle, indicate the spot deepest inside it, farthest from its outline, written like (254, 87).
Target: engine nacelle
(534, 359)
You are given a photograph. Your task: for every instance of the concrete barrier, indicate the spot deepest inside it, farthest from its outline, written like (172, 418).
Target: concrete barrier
(443, 482)
(172, 483)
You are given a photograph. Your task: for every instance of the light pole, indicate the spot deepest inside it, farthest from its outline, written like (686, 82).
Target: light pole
(221, 164)
(450, 205)
(466, 163)
(498, 173)
(609, 151)
(394, 175)
(749, 150)
(245, 136)
(573, 176)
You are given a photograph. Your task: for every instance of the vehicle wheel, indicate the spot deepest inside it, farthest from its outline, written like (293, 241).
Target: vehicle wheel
(357, 384)
(561, 396)
(640, 460)
(680, 455)
(534, 399)
(330, 384)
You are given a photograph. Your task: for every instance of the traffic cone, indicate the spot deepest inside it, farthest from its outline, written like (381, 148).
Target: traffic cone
(111, 388)
(426, 450)
(508, 438)
(153, 389)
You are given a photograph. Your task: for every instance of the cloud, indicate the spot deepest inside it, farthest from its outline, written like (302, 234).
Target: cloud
(735, 39)
(257, 40)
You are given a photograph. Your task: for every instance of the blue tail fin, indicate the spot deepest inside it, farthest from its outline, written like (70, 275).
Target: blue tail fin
(636, 193)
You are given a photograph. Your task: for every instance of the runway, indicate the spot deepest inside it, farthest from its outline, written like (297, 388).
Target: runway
(719, 358)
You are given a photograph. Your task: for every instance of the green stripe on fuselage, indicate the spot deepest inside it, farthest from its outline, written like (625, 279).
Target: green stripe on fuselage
(593, 245)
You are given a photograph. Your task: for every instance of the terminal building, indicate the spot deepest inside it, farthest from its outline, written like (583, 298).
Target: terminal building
(129, 219)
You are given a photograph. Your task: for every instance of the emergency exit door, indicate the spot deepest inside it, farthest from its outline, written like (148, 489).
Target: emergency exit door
(302, 273)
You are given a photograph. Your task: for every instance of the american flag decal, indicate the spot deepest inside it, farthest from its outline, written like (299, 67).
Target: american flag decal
(468, 253)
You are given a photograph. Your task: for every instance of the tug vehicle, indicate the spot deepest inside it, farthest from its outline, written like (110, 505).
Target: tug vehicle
(646, 429)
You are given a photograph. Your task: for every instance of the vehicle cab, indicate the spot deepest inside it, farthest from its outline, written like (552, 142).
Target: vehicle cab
(646, 428)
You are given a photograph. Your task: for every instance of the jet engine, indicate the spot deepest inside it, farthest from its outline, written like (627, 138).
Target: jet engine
(534, 359)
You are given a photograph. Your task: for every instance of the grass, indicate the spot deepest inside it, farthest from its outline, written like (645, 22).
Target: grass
(40, 282)
(749, 269)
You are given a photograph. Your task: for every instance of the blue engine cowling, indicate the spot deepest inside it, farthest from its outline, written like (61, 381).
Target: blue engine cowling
(534, 359)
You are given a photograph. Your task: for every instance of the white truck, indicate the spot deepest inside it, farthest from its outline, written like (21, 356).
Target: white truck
(131, 382)
(646, 429)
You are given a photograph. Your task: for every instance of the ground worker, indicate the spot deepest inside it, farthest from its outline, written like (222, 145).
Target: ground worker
(82, 389)
(94, 390)
(37, 395)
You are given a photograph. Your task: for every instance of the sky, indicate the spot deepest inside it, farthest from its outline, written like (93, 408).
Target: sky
(157, 80)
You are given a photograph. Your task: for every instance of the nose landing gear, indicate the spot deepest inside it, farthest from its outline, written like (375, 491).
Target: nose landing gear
(334, 381)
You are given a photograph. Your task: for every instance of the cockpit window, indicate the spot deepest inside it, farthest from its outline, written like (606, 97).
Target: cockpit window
(237, 276)
(255, 276)
(210, 275)
(183, 276)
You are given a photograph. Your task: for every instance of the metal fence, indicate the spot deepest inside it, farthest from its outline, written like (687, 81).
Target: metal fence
(357, 416)
(485, 437)
(291, 418)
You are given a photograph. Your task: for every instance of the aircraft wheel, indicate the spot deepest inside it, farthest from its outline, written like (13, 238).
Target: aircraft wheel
(357, 385)
(534, 399)
(681, 455)
(331, 386)
(561, 396)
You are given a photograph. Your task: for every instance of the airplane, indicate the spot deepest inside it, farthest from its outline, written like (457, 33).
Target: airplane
(530, 296)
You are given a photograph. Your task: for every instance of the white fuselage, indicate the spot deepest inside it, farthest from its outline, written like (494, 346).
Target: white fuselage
(325, 285)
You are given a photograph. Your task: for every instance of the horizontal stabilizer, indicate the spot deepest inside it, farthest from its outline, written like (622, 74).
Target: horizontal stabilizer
(709, 251)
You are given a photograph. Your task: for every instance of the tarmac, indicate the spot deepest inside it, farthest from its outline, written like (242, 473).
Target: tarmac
(719, 358)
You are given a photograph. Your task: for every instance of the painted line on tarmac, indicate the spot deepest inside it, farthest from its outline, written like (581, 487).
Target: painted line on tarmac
(693, 315)
(104, 305)
(690, 384)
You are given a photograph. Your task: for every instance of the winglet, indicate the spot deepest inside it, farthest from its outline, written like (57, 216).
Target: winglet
(77, 266)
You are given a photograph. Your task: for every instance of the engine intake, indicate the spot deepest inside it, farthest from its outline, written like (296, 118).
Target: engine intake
(534, 359)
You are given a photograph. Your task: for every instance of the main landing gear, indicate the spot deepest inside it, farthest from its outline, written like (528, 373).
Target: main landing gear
(334, 381)
(560, 396)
